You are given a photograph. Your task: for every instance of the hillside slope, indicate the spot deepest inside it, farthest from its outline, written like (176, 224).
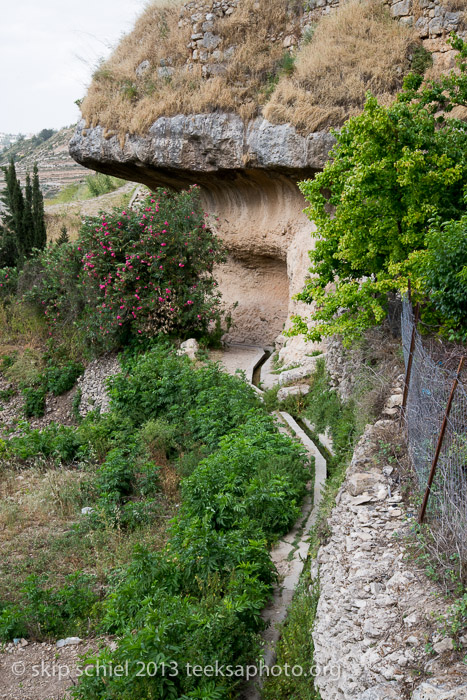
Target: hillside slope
(56, 167)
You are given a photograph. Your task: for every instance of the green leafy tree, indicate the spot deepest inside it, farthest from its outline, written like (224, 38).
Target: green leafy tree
(442, 271)
(392, 172)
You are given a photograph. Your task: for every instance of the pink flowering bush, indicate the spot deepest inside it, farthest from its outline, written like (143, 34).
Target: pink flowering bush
(8, 282)
(135, 273)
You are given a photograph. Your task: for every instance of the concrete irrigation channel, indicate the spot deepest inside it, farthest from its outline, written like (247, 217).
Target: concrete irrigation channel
(289, 554)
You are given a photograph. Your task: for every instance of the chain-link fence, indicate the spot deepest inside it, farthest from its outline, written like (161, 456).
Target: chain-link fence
(429, 387)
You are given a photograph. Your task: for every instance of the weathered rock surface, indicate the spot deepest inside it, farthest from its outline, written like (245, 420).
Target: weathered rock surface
(286, 391)
(93, 384)
(188, 146)
(376, 610)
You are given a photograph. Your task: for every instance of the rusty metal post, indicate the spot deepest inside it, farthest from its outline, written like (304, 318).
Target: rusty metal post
(440, 442)
(408, 372)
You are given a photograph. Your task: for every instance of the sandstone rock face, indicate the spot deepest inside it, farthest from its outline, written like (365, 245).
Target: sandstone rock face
(248, 175)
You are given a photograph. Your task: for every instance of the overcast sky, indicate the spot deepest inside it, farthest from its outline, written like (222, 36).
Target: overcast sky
(48, 51)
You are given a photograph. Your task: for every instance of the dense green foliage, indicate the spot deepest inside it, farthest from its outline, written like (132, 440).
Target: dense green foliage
(199, 599)
(394, 172)
(132, 274)
(442, 269)
(47, 612)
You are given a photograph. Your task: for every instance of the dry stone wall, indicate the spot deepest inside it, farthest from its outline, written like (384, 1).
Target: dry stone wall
(376, 617)
(432, 20)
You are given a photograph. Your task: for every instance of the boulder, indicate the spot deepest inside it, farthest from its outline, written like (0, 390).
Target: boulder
(189, 347)
(286, 391)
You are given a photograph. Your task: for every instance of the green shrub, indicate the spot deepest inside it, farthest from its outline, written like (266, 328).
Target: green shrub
(12, 622)
(443, 271)
(257, 475)
(200, 599)
(116, 474)
(394, 170)
(48, 612)
(421, 60)
(104, 432)
(204, 402)
(55, 441)
(7, 394)
(124, 487)
(8, 282)
(7, 361)
(62, 379)
(159, 436)
(131, 275)
(34, 402)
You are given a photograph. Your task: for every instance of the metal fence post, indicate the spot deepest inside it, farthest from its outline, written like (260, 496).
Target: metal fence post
(440, 443)
(408, 371)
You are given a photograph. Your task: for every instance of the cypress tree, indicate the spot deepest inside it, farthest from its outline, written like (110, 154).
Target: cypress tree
(28, 220)
(63, 237)
(12, 245)
(9, 254)
(40, 233)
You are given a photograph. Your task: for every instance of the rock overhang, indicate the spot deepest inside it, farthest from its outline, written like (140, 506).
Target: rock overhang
(248, 174)
(187, 149)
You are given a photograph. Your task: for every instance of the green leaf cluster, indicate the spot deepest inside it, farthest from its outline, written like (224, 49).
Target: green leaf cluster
(394, 174)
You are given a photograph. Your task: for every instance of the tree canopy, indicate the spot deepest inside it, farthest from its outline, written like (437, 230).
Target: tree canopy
(395, 175)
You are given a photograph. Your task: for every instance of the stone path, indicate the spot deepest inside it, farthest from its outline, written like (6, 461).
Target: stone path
(290, 553)
(239, 357)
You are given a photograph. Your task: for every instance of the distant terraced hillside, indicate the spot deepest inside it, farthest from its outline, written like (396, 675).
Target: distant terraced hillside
(56, 167)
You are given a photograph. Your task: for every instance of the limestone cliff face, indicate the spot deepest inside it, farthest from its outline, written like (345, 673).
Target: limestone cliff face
(248, 176)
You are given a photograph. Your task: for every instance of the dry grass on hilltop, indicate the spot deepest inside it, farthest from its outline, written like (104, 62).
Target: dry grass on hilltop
(122, 102)
(356, 49)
